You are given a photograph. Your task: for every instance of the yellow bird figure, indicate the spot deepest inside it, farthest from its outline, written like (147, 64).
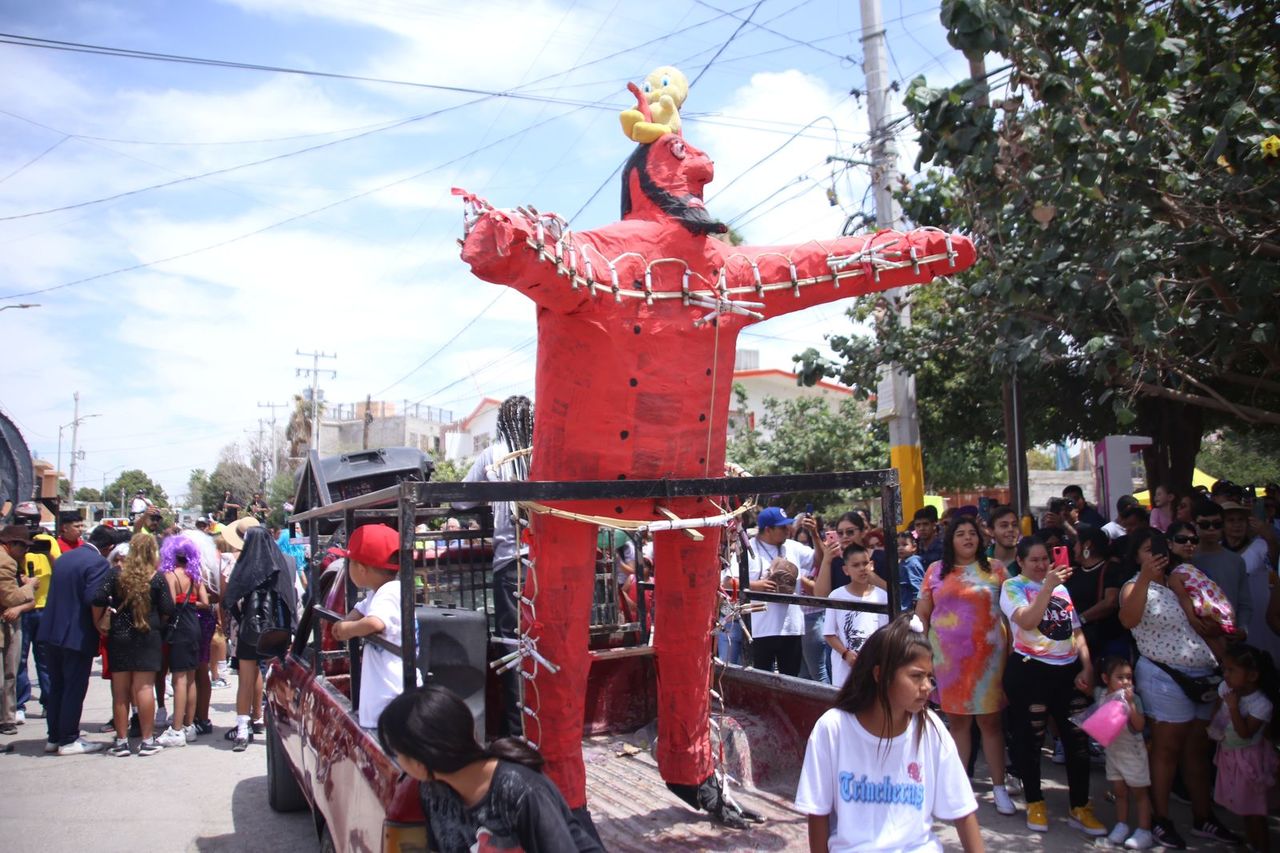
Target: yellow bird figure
(659, 100)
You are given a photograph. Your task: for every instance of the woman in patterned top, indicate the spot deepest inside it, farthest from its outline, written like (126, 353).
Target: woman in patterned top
(1171, 653)
(960, 607)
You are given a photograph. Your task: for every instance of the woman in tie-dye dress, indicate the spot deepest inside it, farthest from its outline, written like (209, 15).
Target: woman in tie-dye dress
(960, 607)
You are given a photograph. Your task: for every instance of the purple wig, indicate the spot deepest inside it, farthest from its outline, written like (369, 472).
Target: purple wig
(175, 548)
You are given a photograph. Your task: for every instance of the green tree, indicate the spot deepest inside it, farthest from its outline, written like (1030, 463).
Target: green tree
(449, 471)
(236, 476)
(197, 487)
(128, 484)
(1124, 210)
(807, 435)
(1244, 457)
(88, 495)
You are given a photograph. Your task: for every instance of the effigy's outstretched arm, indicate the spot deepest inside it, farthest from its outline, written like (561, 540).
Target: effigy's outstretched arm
(521, 248)
(789, 278)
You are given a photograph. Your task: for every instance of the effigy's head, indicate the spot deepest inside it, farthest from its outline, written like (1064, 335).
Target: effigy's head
(664, 179)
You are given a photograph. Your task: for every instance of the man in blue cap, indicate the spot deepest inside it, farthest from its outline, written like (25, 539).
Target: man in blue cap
(775, 557)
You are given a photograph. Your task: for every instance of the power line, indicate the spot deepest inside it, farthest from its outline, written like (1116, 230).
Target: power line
(305, 214)
(729, 41)
(502, 292)
(34, 159)
(794, 41)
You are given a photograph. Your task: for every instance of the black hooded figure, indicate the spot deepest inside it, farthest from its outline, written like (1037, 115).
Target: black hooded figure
(260, 594)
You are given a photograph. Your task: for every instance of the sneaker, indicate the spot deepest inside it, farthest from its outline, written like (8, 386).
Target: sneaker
(171, 737)
(50, 747)
(162, 716)
(107, 727)
(1212, 829)
(1059, 754)
(241, 740)
(258, 727)
(149, 747)
(20, 717)
(80, 746)
(121, 748)
(219, 684)
(1140, 840)
(1004, 805)
(204, 727)
(190, 733)
(8, 729)
(1082, 819)
(1163, 833)
(1118, 833)
(1037, 817)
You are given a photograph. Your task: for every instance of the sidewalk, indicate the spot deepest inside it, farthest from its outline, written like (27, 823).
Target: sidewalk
(201, 797)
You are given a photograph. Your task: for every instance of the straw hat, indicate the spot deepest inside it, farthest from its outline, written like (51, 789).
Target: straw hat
(233, 533)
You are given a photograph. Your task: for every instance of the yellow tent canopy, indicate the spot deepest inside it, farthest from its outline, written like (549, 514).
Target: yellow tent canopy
(1198, 478)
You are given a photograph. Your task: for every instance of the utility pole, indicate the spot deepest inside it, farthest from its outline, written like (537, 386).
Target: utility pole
(275, 452)
(896, 394)
(314, 372)
(75, 433)
(262, 461)
(368, 420)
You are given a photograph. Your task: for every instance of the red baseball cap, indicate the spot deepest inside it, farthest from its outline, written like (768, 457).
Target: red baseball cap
(375, 545)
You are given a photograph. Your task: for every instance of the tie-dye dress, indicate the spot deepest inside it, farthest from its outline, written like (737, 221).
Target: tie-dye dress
(969, 636)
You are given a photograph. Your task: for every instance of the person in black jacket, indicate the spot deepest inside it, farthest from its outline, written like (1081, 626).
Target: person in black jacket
(474, 797)
(259, 595)
(70, 640)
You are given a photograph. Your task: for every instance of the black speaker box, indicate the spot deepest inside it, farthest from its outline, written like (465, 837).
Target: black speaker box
(451, 653)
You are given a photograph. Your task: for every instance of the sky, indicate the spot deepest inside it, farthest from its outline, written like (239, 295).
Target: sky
(185, 229)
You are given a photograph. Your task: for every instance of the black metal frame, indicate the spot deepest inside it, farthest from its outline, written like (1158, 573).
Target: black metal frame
(404, 503)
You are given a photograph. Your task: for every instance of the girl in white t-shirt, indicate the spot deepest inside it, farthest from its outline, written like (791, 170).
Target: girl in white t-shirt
(879, 766)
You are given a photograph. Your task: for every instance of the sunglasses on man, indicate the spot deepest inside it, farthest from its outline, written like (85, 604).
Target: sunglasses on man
(1187, 540)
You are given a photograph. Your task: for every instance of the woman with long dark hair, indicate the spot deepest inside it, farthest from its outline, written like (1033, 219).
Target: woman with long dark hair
(139, 602)
(476, 797)
(879, 761)
(960, 607)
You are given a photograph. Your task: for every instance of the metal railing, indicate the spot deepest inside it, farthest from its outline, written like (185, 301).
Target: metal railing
(405, 504)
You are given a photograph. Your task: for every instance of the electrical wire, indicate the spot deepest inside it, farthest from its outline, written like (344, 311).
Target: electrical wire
(270, 226)
(34, 159)
(729, 41)
(501, 292)
(794, 41)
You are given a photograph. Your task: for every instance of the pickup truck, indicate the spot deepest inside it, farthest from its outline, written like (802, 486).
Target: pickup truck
(320, 759)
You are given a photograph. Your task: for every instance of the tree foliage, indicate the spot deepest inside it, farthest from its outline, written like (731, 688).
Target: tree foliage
(128, 484)
(807, 435)
(1242, 456)
(1125, 211)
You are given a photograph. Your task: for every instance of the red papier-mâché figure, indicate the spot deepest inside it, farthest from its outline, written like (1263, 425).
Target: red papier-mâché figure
(638, 323)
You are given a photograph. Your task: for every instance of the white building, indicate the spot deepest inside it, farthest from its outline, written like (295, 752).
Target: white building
(762, 383)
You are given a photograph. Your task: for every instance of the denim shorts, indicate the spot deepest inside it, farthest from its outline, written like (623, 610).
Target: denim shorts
(1162, 699)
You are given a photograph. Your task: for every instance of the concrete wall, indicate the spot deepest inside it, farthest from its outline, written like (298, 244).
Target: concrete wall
(1044, 485)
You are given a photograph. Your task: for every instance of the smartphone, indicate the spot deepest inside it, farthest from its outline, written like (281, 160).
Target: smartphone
(1061, 556)
(1159, 547)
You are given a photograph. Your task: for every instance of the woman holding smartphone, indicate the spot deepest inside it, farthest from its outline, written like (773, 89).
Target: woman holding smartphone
(1171, 657)
(1049, 676)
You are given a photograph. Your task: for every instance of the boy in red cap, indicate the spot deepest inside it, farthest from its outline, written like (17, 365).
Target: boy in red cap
(372, 564)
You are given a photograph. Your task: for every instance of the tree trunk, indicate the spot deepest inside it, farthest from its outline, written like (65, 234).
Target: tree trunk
(1175, 430)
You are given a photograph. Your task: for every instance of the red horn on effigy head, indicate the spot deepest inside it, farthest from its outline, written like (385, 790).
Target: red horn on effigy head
(642, 104)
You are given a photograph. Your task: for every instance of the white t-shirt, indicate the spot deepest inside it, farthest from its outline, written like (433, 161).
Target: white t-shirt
(381, 673)
(852, 626)
(778, 620)
(1254, 705)
(138, 505)
(882, 799)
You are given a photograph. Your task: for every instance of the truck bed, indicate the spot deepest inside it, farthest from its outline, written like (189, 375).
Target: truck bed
(633, 810)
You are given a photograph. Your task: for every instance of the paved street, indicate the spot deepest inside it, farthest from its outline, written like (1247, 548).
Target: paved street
(202, 797)
(206, 798)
